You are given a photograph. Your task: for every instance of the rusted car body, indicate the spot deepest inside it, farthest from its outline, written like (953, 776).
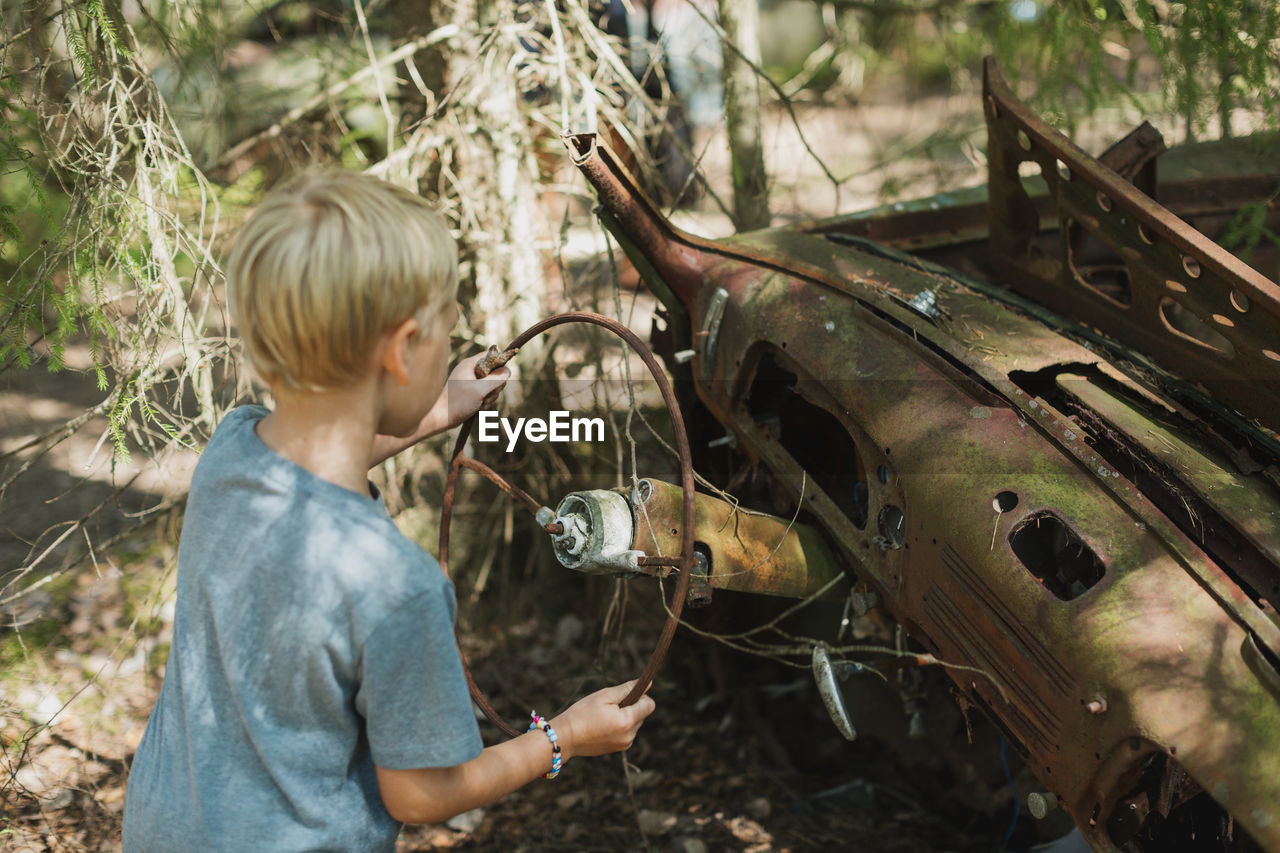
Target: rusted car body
(1045, 441)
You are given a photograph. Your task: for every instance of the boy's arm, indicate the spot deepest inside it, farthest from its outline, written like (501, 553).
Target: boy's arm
(461, 399)
(594, 725)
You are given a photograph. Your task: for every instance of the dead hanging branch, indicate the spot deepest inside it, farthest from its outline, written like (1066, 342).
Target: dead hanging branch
(133, 270)
(120, 261)
(404, 52)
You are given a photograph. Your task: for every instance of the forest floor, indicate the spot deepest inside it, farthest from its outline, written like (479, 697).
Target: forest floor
(739, 756)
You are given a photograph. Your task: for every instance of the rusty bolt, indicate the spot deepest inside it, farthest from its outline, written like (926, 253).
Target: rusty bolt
(1097, 705)
(1041, 803)
(644, 491)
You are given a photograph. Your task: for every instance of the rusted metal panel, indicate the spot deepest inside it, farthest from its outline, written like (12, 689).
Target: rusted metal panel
(1190, 467)
(957, 582)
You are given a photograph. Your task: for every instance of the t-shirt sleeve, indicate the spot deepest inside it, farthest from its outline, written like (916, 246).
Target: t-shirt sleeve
(413, 694)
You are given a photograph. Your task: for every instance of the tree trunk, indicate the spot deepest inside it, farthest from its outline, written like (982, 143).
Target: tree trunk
(740, 19)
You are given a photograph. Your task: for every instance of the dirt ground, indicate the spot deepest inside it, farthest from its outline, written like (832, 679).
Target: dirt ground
(740, 755)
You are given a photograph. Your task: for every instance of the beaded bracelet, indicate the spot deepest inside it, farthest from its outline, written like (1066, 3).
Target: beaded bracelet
(540, 723)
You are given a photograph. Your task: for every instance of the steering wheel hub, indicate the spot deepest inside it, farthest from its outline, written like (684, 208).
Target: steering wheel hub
(597, 532)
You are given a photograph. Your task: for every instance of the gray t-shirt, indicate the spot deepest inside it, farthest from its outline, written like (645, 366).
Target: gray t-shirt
(312, 641)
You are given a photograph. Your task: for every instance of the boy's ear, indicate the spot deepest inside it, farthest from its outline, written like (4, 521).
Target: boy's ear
(393, 352)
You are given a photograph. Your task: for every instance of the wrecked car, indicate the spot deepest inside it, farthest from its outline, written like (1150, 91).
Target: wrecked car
(1041, 431)
(1036, 431)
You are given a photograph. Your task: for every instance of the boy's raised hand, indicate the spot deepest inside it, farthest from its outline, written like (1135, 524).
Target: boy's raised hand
(461, 398)
(596, 725)
(464, 393)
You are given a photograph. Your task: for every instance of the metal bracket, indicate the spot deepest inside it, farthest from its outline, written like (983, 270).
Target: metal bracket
(710, 333)
(1187, 303)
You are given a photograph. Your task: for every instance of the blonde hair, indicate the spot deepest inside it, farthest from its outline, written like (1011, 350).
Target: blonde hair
(328, 263)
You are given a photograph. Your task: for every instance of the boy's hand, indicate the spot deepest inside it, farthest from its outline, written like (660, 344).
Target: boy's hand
(464, 393)
(592, 726)
(460, 399)
(595, 725)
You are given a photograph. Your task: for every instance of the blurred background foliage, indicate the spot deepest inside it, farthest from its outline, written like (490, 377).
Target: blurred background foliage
(137, 133)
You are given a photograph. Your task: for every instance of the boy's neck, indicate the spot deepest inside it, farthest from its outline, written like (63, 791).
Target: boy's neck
(329, 433)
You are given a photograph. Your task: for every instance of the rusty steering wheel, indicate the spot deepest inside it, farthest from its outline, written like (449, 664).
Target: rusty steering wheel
(682, 563)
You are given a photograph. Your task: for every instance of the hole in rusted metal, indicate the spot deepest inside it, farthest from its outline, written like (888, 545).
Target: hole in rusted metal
(1145, 234)
(893, 526)
(1104, 201)
(1239, 301)
(1188, 326)
(1222, 320)
(1063, 171)
(1175, 286)
(1004, 501)
(1096, 265)
(1056, 556)
(1274, 356)
(882, 474)
(1024, 141)
(814, 437)
(1191, 265)
(1169, 810)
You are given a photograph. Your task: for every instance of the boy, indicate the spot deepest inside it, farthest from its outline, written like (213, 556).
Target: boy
(314, 698)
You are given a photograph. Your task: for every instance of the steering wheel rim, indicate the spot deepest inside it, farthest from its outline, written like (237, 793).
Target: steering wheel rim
(686, 557)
